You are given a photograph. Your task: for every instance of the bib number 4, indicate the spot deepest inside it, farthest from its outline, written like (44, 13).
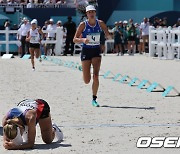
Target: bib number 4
(94, 39)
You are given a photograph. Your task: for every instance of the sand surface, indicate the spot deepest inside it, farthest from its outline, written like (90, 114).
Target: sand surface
(126, 113)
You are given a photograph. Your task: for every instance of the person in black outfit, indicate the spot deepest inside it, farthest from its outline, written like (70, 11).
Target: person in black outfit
(71, 29)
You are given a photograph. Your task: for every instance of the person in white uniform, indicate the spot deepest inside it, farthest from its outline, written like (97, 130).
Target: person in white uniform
(23, 31)
(50, 36)
(144, 27)
(34, 39)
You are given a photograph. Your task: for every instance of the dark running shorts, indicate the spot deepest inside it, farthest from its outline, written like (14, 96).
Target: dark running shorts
(46, 109)
(131, 38)
(34, 45)
(89, 53)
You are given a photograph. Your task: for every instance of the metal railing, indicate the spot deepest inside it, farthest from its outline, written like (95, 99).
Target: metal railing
(164, 42)
(58, 42)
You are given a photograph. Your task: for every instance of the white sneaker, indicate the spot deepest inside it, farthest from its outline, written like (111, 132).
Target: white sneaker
(33, 69)
(58, 133)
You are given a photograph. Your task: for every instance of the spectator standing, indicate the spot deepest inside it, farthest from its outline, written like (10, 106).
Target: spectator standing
(50, 36)
(30, 4)
(124, 41)
(59, 25)
(18, 36)
(138, 38)
(43, 45)
(71, 29)
(7, 24)
(131, 31)
(156, 22)
(11, 2)
(144, 33)
(81, 2)
(46, 23)
(23, 30)
(165, 22)
(51, 2)
(117, 38)
(121, 29)
(177, 24)
(102, 41)
(61, 2)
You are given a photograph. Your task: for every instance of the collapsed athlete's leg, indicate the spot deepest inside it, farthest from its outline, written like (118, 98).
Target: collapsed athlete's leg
(47, 131)
(86, 68)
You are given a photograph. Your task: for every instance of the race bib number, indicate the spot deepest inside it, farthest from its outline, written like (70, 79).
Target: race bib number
(94, 39)
(34, 39)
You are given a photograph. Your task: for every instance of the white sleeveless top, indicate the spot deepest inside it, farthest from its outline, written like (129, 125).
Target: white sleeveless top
(35, 37)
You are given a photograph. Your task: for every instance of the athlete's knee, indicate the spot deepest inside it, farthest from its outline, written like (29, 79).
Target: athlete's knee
(47, 138)
(47, 141)
(87, 78)
(86, 81)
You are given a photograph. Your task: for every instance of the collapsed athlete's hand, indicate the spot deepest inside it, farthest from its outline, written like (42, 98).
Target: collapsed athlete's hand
(85, 41)
(9, 145)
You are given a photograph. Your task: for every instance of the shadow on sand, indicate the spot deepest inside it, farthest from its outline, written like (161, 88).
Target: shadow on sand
(128, 107)
(44, 146)
(51, 146)
(52, 71)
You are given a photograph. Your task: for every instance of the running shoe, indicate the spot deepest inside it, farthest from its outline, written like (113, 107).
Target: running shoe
(33, 69)
(58, 133)
(95, 103)
(40, 59)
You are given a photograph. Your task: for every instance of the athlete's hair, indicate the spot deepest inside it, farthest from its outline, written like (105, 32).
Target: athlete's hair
(10, 129)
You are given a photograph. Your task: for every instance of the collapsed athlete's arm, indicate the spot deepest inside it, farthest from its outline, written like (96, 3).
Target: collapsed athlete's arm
(78, 33)
(105, 29)
(31, 123)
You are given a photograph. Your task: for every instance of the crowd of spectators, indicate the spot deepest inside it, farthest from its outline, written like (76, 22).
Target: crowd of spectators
(47, 3)
(68, 30)
(130, 37)
(32, 3)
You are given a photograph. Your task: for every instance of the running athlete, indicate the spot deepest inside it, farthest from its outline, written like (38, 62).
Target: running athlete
(88, 33)
(34, 39)
(19, 125)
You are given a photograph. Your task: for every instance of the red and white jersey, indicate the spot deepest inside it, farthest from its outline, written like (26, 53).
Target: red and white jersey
(29, 104)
